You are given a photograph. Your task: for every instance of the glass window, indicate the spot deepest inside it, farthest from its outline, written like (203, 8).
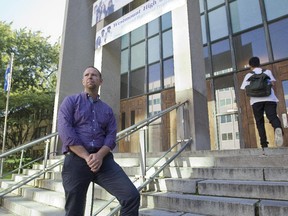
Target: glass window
(153, 27)
(124, 86)
(167, 44)
(138, 56)
(168, 68)
(225, 106)
(124, 61)
(213, 3)
(123, 120)
(132, 117)
(250, 44)
(275, 9)
(207, 62)
(203, 27)
(201, 3)
(279, 39)
(154, 105)
(137, 82)
(245, 14)
(124, 41)
(224, 136)
(221, 57)
(154, 77)
(285, 91)
(166, 21)
(153, 49)
(138, 34)
(218, 23)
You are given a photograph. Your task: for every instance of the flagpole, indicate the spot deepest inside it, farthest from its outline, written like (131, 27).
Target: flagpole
(6, 113)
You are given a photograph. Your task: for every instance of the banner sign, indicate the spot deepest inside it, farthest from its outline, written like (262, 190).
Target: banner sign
(103, 8)
(134, 19)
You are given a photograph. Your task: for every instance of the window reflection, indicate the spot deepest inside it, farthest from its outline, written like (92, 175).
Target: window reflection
(167, 44)
(245, 14)
(138, 34)
(221, 57)
(137, 56)
(285, 90)
(166, 21)
(137, 82)
(153, 49)
(275, 10)
(168, 68)
(124, 86)
(154, 77)
(250, 44)
(227, 114)
(207, 62)
(153, 27)
(218, 23)
(279, 39)
(154, 129)
(203, 27)
(124, 61)
(213, 3)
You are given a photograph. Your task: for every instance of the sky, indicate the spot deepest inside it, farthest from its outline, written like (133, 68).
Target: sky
(46, 16)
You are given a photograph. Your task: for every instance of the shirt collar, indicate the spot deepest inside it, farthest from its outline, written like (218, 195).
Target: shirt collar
(91, 99)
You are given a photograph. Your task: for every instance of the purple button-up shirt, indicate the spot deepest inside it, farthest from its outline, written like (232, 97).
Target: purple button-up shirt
(86, 123)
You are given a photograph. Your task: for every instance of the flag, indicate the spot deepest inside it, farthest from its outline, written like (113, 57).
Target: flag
(7, 81)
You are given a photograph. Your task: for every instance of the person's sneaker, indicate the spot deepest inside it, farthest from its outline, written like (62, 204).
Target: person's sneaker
(278, 137)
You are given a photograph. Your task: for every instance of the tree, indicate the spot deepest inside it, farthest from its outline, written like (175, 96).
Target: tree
(33, 84)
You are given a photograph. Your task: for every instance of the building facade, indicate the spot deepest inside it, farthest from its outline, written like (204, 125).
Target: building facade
(163, 52)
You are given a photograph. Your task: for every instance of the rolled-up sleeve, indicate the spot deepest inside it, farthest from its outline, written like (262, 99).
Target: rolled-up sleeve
(65, 127)
(111, 131)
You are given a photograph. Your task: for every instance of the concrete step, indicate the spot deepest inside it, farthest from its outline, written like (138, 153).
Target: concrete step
(228, 173)
(253, 174)
(174, 185)
(244, 189)
(273, 208)
(5, 212)
(26, 207)
(51, 198)
(252, 162)
(156, 212)
(276, 174)
(197, 204)
(51, 184)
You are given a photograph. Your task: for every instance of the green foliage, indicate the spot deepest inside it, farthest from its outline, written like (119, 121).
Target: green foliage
(31, 100)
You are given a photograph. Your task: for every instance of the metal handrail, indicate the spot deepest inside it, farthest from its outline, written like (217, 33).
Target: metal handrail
(29, 163)
(120, 136)
(137, 178)
(30, 178)
(147, 121)
(27, 145)
(152, 177)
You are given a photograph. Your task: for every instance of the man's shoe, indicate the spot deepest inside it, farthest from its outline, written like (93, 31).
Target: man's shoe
(278, 137)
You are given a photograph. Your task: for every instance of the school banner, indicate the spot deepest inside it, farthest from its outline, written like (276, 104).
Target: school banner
(103, 8)
(134, 19)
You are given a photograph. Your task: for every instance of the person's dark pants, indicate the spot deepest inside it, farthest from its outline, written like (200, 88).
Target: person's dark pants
(270, 109)
(76, 179)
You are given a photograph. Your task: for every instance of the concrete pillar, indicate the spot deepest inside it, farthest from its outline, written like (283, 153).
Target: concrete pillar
(190, 73)
(77, 52)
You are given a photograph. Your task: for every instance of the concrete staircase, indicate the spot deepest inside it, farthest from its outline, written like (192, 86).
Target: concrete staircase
(224, 183)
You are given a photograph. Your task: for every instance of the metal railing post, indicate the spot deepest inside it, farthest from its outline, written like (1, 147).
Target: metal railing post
(143, 139)
(20, 162)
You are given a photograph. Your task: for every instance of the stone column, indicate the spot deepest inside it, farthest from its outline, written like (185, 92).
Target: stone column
(190, 74)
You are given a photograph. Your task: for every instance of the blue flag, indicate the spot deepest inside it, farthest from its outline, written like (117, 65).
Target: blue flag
(7, 78)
